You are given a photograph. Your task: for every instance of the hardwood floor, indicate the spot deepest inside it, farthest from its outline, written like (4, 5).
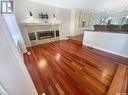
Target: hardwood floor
(78, 37)
(120, 81)
(68, 68)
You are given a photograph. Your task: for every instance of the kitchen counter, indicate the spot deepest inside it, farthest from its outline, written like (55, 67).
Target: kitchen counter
(116, 43)
(122, 32)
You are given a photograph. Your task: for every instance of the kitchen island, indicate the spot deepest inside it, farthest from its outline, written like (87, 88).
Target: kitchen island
(113, 42)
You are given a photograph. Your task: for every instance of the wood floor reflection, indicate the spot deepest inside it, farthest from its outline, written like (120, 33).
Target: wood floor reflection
(68, 68)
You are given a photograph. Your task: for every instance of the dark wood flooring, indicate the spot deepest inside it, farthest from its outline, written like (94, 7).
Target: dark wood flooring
(69, 68)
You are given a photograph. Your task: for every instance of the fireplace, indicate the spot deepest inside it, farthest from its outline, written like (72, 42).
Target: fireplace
(45, 35)
(40, 33)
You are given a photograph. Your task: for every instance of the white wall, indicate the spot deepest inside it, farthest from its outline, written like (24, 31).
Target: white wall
(23, 7)
(72, 22)
(14, 76)
(88, 15)
(15, 32)
(71, 4)
(115, 43)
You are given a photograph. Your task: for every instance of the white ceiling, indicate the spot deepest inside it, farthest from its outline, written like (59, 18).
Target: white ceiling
(96, 5)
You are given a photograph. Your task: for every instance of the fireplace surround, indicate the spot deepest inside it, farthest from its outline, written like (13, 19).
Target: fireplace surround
(34, 34)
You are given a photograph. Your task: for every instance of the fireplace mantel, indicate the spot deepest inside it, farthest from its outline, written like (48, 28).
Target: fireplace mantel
(29, 29)
(44, 24)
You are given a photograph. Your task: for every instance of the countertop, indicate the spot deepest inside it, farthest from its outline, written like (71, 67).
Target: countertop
(122, 32)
